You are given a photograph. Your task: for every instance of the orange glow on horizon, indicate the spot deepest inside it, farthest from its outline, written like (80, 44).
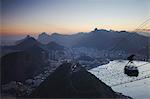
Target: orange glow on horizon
(34, 29)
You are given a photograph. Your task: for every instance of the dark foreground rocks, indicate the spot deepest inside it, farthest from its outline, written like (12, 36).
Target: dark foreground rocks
(73, 81)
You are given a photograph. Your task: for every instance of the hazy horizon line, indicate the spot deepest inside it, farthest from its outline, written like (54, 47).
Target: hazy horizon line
(63, 33)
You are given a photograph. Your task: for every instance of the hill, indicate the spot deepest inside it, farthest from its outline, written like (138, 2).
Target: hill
(68, 82)
(25, 59)
(22, 65)
(112, 41)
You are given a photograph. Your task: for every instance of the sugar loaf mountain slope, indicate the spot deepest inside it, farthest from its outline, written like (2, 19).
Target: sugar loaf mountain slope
(73, 83)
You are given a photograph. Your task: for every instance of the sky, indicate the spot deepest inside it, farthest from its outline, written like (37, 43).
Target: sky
(20, 17)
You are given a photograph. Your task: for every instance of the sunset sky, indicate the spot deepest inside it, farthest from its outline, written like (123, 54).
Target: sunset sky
(21, 17)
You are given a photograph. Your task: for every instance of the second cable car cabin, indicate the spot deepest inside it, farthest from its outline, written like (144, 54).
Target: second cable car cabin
(130, 69)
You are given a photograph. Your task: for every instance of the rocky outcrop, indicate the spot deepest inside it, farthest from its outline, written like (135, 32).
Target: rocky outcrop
(73, 81)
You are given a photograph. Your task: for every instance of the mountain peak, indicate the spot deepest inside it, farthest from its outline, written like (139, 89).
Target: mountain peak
(27, 42)
(28, 38)
(55, 34)
(43, 33)
(44, 37)
(99, 30)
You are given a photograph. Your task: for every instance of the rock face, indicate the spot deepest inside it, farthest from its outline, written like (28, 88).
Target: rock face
(22, 65)
(70, 81)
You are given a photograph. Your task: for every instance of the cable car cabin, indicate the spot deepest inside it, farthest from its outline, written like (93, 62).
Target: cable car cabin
(131, 70)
